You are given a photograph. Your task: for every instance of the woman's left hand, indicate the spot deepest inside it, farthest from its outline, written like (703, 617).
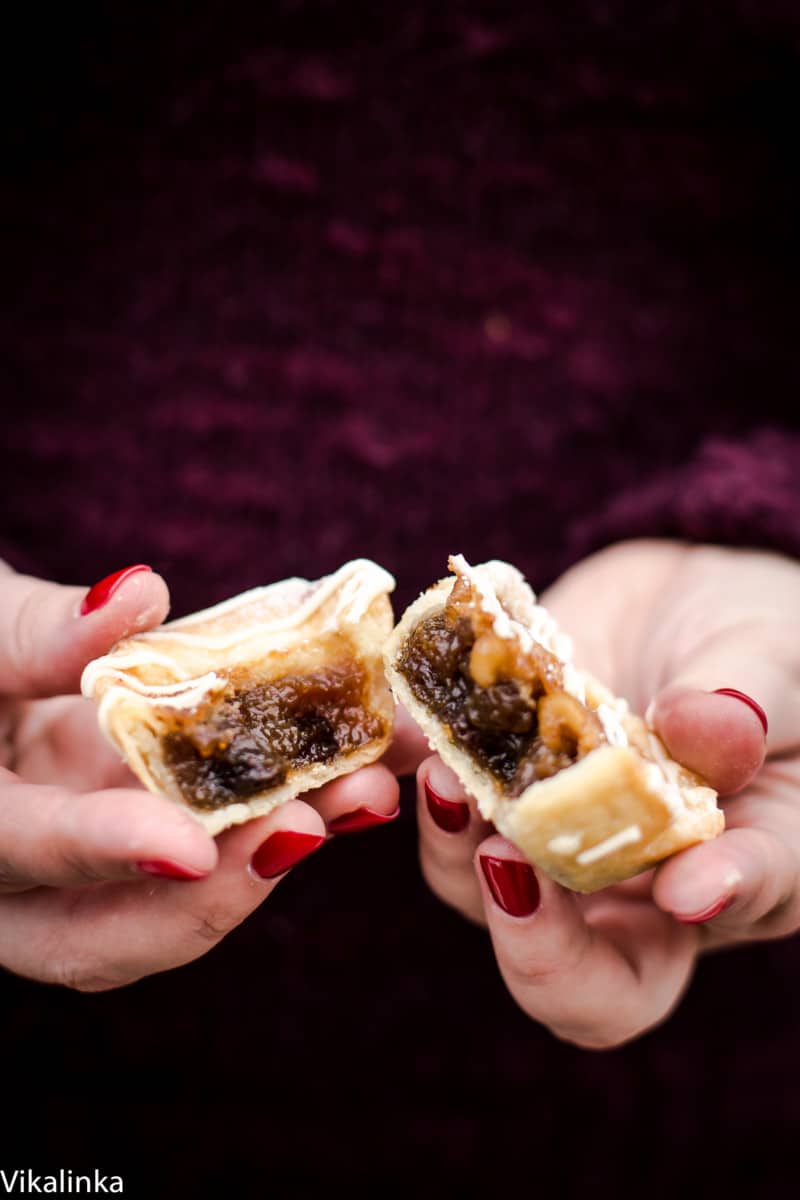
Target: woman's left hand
(667, 624)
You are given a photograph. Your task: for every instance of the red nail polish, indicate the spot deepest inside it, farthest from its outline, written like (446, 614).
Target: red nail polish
(102, 592)
(450, 815)
(282, 850)
(749, 701)
(361, 818)
(513, 885)
(167, 869)
(708, 913)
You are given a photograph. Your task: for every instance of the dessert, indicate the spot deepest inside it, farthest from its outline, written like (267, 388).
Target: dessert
(558, 763)
(233, 710)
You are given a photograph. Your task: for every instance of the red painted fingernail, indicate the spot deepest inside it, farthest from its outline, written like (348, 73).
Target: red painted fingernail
(450, 815)
(361, 818)
(283, 850)
(167, 869)
(748, 700)
(102, 592)
(708, 913)
(513, 885)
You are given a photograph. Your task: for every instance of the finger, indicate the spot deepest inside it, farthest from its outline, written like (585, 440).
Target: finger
(59, 741)
(109, 936)
(409, 745)
(450, 827)
(51, 836)
(363, 800)
(761, 661)
(742, 885)
(721, 737)
(596, 978)
(46, 639)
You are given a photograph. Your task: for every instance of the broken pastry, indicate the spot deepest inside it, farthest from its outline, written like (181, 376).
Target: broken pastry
(236, 709)
(559, 765)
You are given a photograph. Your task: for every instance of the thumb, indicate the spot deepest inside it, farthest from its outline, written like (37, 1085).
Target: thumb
(722, 712)
(48, 633)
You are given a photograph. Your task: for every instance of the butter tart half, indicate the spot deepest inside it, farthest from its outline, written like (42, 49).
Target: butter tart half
(236, 709)
(557, 763)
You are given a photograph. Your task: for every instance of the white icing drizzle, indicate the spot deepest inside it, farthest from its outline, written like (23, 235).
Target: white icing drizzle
(663, 774)
(573, 683)
(623, 838)
(357, 582)
(185, 696)
(103, 668)
(276, 609)
(612, 726)
(273, 613)
(658, 780)
(565, 843)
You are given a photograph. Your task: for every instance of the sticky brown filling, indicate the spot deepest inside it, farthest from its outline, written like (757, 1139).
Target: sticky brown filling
(507, 708)
(252, 737)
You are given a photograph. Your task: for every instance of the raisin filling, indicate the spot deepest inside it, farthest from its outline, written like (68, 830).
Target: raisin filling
(506, 708)
(250, 739)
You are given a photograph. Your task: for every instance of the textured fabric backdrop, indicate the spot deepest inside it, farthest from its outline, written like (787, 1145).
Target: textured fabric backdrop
(292, 282)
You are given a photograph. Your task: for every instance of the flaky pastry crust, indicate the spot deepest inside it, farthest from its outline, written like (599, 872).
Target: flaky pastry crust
(615, 812)
(167, 678)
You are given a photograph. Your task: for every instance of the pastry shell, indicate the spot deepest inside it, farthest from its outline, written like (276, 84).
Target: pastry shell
(293, 627)
(615, 812)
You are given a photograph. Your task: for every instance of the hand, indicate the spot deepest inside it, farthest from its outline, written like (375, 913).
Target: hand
(667, 624)
(100, 881)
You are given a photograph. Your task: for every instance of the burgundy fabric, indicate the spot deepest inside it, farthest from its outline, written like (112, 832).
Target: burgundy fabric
(305, 281)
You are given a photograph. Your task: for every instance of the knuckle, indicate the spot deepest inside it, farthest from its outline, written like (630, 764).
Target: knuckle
(23, 640)
(533, 968)
(74, 865)
(86, 975)
(594, 1039)
(215, 923)
(73, 825)
(98, 982)
(72, 960)
(633, 1015)
(609, 1029)
(780, 920)
(448, 853)
(456, 891)
(442, 877)
(9, 878)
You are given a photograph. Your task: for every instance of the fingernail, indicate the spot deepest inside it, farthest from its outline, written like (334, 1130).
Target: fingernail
(167, 869)
(707, 914)
(513, 885)
(283, 850)
(361, 818)
(102, 592)
(450, 815)
(749, 701)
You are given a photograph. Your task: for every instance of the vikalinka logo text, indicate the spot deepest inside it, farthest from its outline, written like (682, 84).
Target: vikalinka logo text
(63, 1183)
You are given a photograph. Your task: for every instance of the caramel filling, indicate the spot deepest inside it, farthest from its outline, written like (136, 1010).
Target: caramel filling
(506, 707)
(251, 738)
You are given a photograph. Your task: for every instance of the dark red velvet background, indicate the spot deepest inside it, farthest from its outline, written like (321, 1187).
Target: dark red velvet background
(292, 282)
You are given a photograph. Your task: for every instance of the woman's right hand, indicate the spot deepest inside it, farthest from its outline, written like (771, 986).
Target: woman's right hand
(102, 882)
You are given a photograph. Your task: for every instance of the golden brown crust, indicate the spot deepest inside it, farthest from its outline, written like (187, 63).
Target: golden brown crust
(153, 681)
(612, 814)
